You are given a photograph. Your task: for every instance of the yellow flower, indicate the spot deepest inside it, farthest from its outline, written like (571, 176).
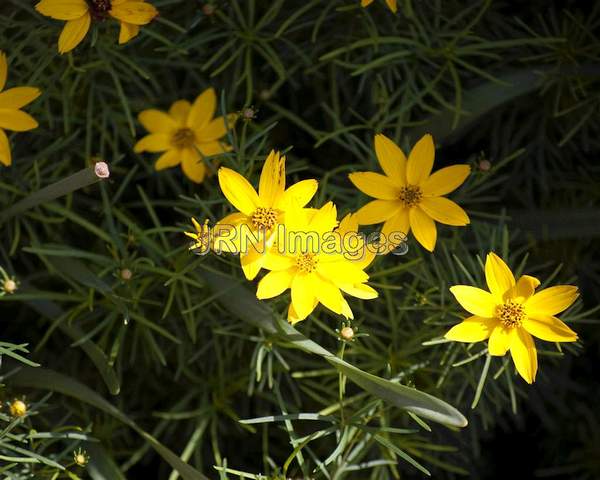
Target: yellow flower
(18, 408)
(260, 213)
(80, 13)
(11, 117)
(314, 275)
(510, 313)
(409, 196)
(201, 236)
(392, 4)
(186, 134)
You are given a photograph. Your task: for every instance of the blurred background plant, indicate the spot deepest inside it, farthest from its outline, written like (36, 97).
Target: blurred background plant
(139, 342)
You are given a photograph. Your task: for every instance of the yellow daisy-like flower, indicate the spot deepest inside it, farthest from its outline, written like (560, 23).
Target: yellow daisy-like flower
(314, 275)
(392, 4)
(186, 134)
(259, 213)
(201, 237)
(511, 312)
(11, 117)
(408, 196)
(80, 13)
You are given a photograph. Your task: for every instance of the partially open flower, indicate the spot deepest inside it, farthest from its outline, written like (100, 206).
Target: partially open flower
(18, 408)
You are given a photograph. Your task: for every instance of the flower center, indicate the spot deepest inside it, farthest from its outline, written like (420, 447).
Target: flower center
(183, 138)
(264, 218)
(410, 195)
(307, 262)
(511, 314)
(99, 8)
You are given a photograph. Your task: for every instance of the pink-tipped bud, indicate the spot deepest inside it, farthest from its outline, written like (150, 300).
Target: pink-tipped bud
(101, 169)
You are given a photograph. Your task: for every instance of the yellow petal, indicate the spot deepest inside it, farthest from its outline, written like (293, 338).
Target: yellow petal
(276, 261)
(169, 159)
(524, 354)
(472, 329)
(423, 228)
(252, 263)
(375, 185)
(445, 180)
(391, 158)
(359, 290)
(444, 211)
(420, 161)
(216, 128)
(272, 179)
(303, 298)
(155, 142)
(274, 283)
(5, 155)
(341, 272)
(179, 111)
(551, 301)
(365, 3)
(16, 120)
(156, 121)
(378, 211)
(475, 300)
(63, 9)
(299, 194)
(3, 69)
(18, 97)
(73, 33)
(500, 340)
(392, 5)
(498, 276)
(328, 294)
(203, 109)
(238, 191)
(127, 32)
(324, 219)
(395, 230)
(210, 149)
(192, 165)
(549, 328)
(524, 288)
(135, 12)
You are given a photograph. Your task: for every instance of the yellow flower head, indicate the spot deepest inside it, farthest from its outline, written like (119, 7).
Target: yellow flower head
(80, 13)
(392, 4)
(408, 196)
(187, 134)
(314, 274)
(18, 408)
(80, 457)
(259, 213)
(11, 117)
(201, 236)
(510, 313)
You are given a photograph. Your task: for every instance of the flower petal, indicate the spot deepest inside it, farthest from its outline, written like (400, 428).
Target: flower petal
(475, 300)
(472, 329)
(63, 9)
(135, 12)
(238, 191)
(395, 230)
(378, 211)
(342, 272)
(5, 155)
(155, 142)
(18, 97)
(391, 158)
(551, 301)
(73, 33)
(375, 185)
(252, 262)
(203, 109)
(423, 228)
(420, 161)
(16, 120)
(359, 290)
(549, 328)
(444, 211)
(179, 111)
(127, 32)
(216, 128)
(299, 194)
(524, 288)
(445, 180)
(272, 179)
(170, 158)
(524, 354)
(274, 284)
(192, 165)
(328, 294)
(500, 340)
(393, 5)
(303, 298)
(210, 149)
(157, 121)
(498, 276)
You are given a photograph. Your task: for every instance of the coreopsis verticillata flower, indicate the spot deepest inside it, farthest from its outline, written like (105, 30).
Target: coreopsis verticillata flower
(259, 213)
(201, 237)
(510, 313)
(408, 196)
(392, 4)
(80, 13)
(187, 134)
(310, 263)
(11, 117)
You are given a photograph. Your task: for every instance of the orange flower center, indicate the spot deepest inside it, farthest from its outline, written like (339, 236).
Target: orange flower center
(511, 314)
(410, 195)
(99, 8)
(264, 218)
(183, 138)
(307, 262)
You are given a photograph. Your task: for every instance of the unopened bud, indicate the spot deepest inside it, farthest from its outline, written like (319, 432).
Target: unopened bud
(101, 169)
(9, 286)
(126, 274)
(347, 333)
(18, 408)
